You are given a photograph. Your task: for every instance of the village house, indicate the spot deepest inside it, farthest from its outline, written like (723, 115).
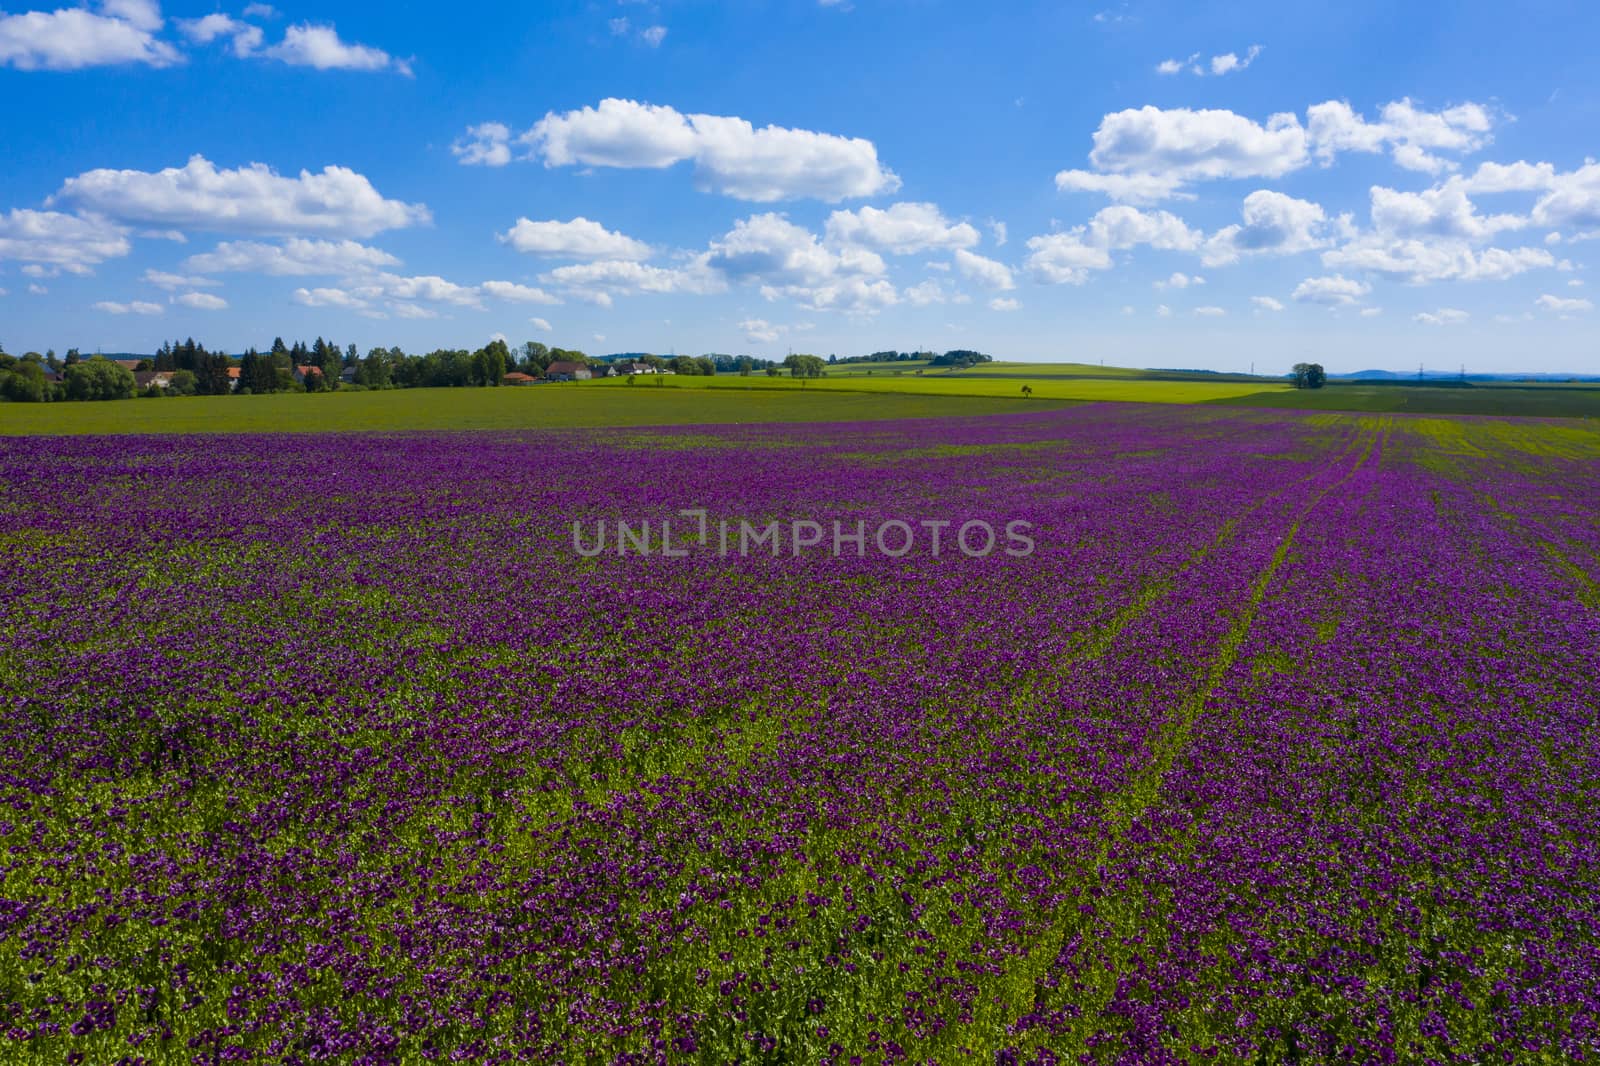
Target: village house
(630, 366)
(143, 379)
(304, 372)
(564, 370)
(517, 377)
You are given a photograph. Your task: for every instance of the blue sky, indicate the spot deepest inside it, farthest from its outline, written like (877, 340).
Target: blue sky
(1154, 184)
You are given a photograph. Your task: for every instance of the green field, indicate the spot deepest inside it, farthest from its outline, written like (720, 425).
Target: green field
(542, 407)
(725, 399)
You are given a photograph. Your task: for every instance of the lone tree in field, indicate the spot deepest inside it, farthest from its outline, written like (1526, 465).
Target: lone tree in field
(1309, 376)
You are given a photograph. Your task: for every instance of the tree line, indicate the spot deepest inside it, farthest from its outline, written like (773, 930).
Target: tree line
(324, 365)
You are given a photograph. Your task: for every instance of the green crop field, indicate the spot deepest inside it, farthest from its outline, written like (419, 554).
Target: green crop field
(546, 407)
(1534, 401)
(932, 383)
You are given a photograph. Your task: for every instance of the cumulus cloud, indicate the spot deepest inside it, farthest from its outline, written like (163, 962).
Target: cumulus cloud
(296, 256)
(729, 154)
(511, 292)
(1445, 316)
(70, 242)
(986, 272)
(759, 331)
(541, 324)
(136, 307)
(1004, 303)
(114, 32)
(771, 249)
(1411, 135)
(1563, 306)
(622, 277)
(653, 35)
(251, 198)
(1210, 312)
(486, 144)
(164, 280)
(1267, 303)
(1273, 224)
(901, 229)
(245, 37)
(578, 239)
(1335, 290)
(1226, 63)
(1180, 280)
(1149, 154)
(308, 45)
(1420, 261)
(326, 298)
(1064, 258)
(202, 301)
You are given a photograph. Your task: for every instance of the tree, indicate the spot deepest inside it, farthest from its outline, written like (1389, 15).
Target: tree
(183, 383)
(805, 366)
(24, 382)
(1309, 376)
(98, 379)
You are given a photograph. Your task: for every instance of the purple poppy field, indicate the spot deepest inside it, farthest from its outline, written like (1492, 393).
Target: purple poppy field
(1279, 745)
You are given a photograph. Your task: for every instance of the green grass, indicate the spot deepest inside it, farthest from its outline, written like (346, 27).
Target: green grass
(964, 384)
(1538, 401)
(568, 406)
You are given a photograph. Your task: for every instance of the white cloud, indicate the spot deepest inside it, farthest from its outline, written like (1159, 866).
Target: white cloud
(617, 276)
(1442, 211)
(1175, 66)
(248, 199)
(71, 242)
(926, 293)
(1064, 259)
(986, 272)
(730, 155)
(486, 144)
(998, 230)
(246, 38)
(511, 292)
(296, 256)
(164, 280)
(851, 295)
(1370, 312)
(136, 307)
(1124, 188)
(36, 289)
(203, 301)
(770, 248)
(1563, 306)
(1004, 303)
(1163, 311)
(619, 26)
(1273, 224)
(1229, 62)
(123, 31)
(1210, 312)
(1573, 199)
(900, 229)
(1186, 145)
(307, 45)
(1411, 135)
(653, 35)
(428, 287)
(1335, 290)
(1445, 316)
(326, 298)
(1126, 227)
(759, 331)
(541, 324)
(1421, 261)
(1267, 303)
(260, 11)
(577, 239)
(1180, 280)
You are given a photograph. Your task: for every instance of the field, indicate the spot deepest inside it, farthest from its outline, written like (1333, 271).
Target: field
(1279, 746)
(541, 407)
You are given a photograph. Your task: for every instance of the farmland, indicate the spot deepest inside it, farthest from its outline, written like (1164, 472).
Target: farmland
(1279, 746)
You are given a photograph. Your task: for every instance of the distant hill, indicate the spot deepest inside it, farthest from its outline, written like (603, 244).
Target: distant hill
(1441, 375)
